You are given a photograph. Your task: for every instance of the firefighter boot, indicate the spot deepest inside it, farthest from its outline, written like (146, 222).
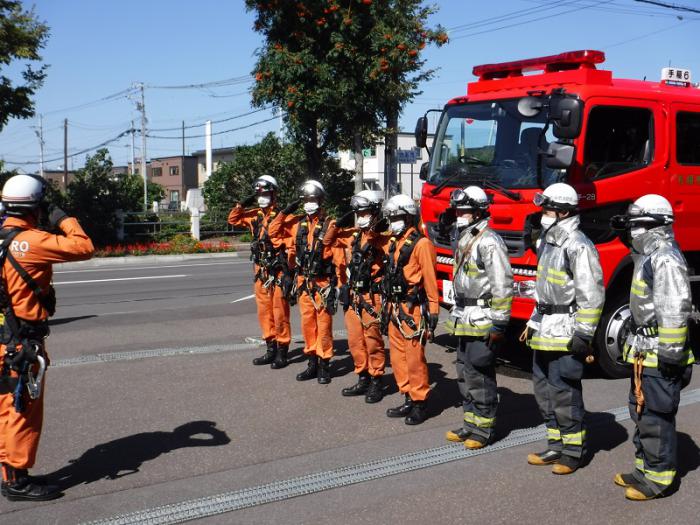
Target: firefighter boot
(624, 480)
(543, 458)
(311, 369)
(280, 357)
(269, 354)
(475, 442)
(18, 485)
(419, 413)
(458, 435)
(375, 392)
(402, 410)
(566, 465)
(641, 492)
(358, 388)
(324, 371)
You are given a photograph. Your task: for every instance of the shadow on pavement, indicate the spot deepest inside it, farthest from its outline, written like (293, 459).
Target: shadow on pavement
(515, 411)
(66, 320)
(124, 456)
(605, 434)
(688, 460)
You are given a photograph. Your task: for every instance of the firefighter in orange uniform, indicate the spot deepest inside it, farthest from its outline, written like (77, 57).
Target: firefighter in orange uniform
(411, 307)
(272, 278)
(315, 280)
(27, 300)
(360, 274)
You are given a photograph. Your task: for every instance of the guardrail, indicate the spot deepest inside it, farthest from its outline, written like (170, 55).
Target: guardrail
(165, 224)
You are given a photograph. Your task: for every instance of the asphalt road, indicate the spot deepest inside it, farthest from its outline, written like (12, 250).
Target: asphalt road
(153, 401)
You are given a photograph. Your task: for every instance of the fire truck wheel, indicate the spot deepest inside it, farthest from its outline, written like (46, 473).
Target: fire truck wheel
(611, 335)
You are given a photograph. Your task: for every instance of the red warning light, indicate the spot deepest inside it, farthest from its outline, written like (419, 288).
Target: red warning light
(584, 59)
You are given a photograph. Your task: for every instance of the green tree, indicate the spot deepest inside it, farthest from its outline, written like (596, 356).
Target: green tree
(131, 191)
(232, 181)
(22, 36)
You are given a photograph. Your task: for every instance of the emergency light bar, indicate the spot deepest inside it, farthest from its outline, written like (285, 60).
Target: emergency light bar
(584, 59)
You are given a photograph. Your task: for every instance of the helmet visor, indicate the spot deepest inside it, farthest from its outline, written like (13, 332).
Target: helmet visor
(359, 203)
(540, 199)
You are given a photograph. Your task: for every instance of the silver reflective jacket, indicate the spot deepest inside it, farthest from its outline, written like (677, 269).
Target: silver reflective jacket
(481, 272)
(568, 274)
(659, 297)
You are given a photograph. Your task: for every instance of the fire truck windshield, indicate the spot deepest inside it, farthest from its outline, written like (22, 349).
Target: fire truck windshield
(490, 141)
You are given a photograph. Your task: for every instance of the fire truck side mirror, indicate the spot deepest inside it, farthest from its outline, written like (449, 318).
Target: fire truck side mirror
(423, 175)
(560, 156)
(422, 132)
(565, 113)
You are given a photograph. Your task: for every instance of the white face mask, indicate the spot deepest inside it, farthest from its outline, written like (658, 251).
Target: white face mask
(264, 201)
(397, 226)
(636, 232)
(310, 207)
(547, 222)
(363, 222)
(462, 222)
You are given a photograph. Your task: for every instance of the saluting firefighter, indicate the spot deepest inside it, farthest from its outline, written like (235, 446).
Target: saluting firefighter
(315, 276)
(657, 345)
(27, 300)
(360, 278)
(411, 306)
(483, 289)
(570, 297)
(272, 278)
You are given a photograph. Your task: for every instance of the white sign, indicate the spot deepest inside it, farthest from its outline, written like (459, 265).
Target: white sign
(675, 74)
(406, 156)
(448, 294)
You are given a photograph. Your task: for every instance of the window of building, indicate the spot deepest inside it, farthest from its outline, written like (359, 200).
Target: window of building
(174, 196)
(618, 140)
(369, 153)
(688, 138)
(157, 172)
(174, 170)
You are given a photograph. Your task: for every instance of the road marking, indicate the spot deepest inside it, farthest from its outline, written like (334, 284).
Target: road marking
(122, 269)
(349, 475)
(122, 279)
(243, 298)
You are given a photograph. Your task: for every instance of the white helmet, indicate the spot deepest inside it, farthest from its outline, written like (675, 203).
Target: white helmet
(22, 193)
(470, 198)
(400, 205)
(265, 183)
(558, 196)
(650, 210)
(312, 188)
(367, 200)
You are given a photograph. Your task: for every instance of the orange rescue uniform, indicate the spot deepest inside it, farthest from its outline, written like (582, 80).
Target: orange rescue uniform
(273, 308)
(36, 251)
(364, 331)
(408, 354)
(316, 322)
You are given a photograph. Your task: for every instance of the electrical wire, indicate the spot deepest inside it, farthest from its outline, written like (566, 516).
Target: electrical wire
(670, 6)
(213, 121)
(645, 35)
(213, 134)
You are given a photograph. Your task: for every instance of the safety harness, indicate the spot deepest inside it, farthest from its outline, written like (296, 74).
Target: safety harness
(361, 280)
(310, 265)
(268, 259)
(23, 340)
(396, 290)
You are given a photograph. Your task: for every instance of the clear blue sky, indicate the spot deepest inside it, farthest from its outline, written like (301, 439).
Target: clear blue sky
(99, 48)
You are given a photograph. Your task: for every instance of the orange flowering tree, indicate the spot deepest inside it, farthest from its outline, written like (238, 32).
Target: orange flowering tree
(340, 68)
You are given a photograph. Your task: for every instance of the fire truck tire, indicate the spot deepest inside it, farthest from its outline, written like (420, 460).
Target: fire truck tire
(611, 334)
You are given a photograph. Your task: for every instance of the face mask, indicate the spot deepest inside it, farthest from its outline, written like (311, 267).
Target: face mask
(363, 222)
(263, 201)
(547, 222)
(310, 207)
(397, 226)
(462, 222)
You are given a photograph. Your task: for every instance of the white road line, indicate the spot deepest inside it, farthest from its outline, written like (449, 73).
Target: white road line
(121, 269)
(243, 298)
(122, 279)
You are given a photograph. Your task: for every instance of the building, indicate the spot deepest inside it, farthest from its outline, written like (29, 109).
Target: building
(55, 177)
(218, 156)
(407, 174)
(176, 175)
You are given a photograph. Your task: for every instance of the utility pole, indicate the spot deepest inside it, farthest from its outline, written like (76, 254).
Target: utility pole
(207, 148)
(65, 154)
(40, 135)
(141, 106)
(133, 148)
(183, 138)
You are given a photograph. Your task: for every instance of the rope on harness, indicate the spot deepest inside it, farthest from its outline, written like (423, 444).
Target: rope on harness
(638, 366)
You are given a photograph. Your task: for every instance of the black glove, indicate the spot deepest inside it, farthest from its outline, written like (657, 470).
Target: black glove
(345, 220)
(495, 337)
(580, 346)
(433, 321)
(250, 199)
(56, 215)
(26, 355)
(670, 370)
(291, 207)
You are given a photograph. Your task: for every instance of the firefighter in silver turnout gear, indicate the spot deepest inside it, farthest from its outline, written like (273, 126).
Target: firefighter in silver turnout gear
(660, 303)
(570, 296)
(483, 287)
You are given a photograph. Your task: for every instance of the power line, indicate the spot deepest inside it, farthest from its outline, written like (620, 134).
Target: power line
(217, 83)
(670, 6)
(114, 96)
(645, 35)
(217, 133)
(213, 121)
(616, 7)
(501, 18)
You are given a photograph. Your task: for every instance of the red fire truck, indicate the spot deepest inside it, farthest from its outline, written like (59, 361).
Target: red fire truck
(526, 124)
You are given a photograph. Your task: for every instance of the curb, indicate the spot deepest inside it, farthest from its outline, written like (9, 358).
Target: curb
(140, 259)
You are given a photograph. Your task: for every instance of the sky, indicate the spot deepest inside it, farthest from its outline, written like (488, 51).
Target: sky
(97, 50)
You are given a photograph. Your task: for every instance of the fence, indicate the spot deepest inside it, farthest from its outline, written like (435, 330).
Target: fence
(162, 225)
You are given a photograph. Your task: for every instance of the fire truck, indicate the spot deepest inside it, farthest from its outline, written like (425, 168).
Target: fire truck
(526, 124)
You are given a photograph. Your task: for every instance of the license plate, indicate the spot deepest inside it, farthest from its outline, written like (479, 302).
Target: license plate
(448, 294)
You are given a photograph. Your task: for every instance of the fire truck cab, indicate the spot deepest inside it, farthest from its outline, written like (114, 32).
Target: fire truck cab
(527, 124)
